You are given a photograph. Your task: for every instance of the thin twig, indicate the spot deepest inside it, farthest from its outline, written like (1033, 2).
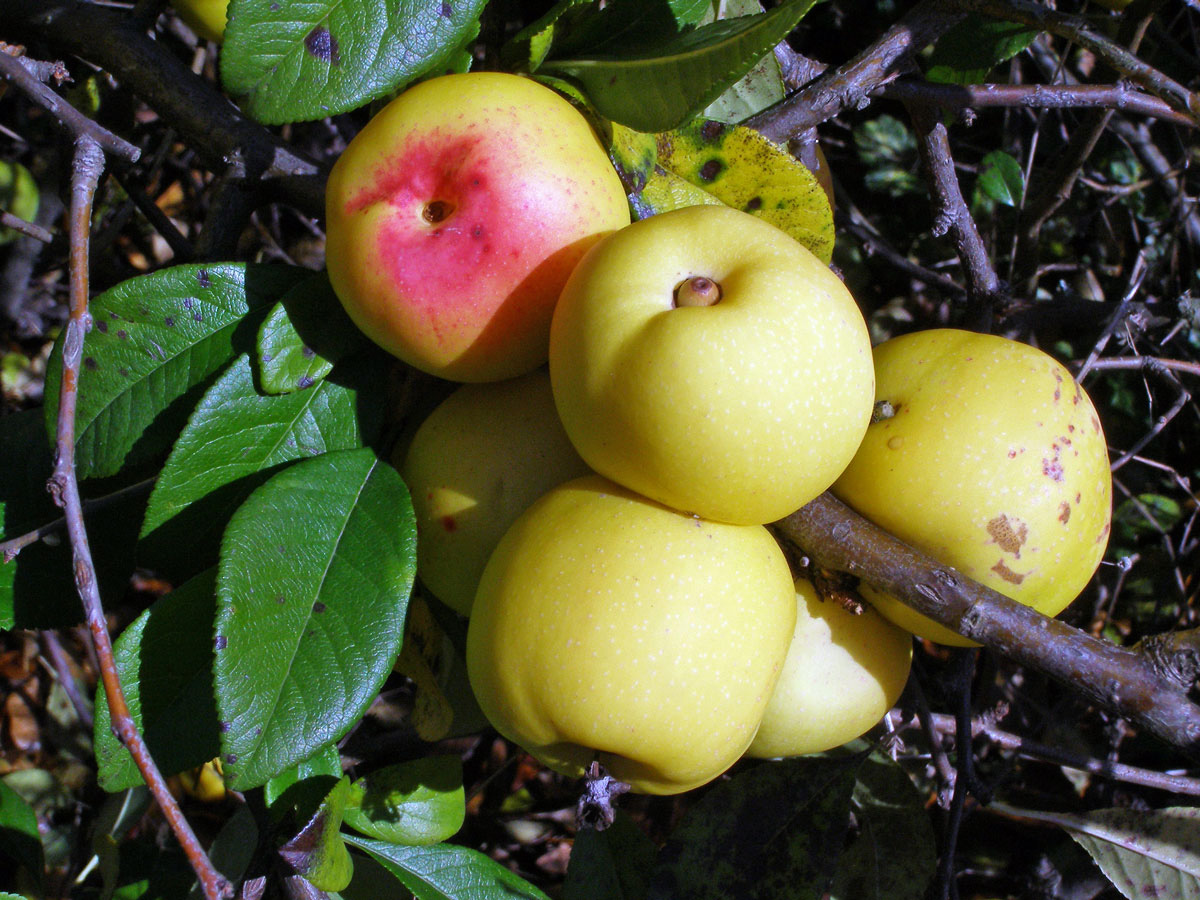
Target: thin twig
(62, 669)
(1080, 31)
(29, 229)
(64, 486)
(985, 291)
(981, 726)
(13, 546)
(1035, 96)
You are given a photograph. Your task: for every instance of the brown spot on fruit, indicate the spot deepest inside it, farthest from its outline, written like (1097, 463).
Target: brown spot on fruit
(1008, 533)
(449, 523)
(1064, 512)
(1007, 574)
(1057, 386)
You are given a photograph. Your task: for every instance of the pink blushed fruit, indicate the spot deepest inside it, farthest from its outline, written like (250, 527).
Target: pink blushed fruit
(456, 215)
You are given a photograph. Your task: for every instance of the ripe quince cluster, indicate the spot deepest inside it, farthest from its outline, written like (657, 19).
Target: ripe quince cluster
(642, 400)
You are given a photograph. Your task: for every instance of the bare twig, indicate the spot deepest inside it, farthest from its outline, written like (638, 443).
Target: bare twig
(1035, 96)
(29, 229)
(64, 486)
(13, 546)
(982, 726)
(851, 84)
(1110, 676)
(62, 670)
(12, 68)
(1080, 31)
(984, 289)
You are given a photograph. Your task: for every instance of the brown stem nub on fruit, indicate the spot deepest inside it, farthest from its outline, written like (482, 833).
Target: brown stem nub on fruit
(697, 291)
(882, 410)
(437, 211)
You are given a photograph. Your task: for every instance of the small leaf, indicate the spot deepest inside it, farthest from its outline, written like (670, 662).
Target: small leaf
(325, 762)
(613, 864)
(446, 871)
(660, 85)
(20, 841)
(293, 62)
(413, 803)
(316, 568)
(1001, 178)
(303, 335)
(775, 830)
(155, 341)
(745, 170)
(530, 46)
(968, 51)
(1145, 853)
(892, 855)
(234, 439)
(164, 660)
(18, 195)
(318, 852)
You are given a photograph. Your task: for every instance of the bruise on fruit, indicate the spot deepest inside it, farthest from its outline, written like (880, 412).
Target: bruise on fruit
(1064, 512)
(1009, 534)
(1007, 574)
(321, 43)
(1052, 466)
(449, 523)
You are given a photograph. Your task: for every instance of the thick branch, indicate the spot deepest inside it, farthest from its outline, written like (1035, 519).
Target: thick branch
(851, 84)
(223, 137)
(1121, 680)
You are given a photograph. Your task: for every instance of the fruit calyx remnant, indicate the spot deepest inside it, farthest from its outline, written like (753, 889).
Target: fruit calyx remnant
(595, 808)
(437, 211)
(698, 290)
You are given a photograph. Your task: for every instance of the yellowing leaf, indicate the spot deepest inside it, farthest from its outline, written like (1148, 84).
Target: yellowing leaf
(423, 657)
(744, 170)
(709, 162)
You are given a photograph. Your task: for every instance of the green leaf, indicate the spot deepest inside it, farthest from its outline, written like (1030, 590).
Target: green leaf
(1145, 853)
(20, 840)
(613, 864)
(892, 855)
(414, 803)
(155, 342)
(293, 61)
(318, 852)
(530, 46)
(325, 762)
(448, 872)
(164, 660)
(743, 169)
(968, 51)
(315, 573)
(235, 439)
(660, 84)
(301, 338)
(1001, 178)
(775, 830)
(759, 88)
